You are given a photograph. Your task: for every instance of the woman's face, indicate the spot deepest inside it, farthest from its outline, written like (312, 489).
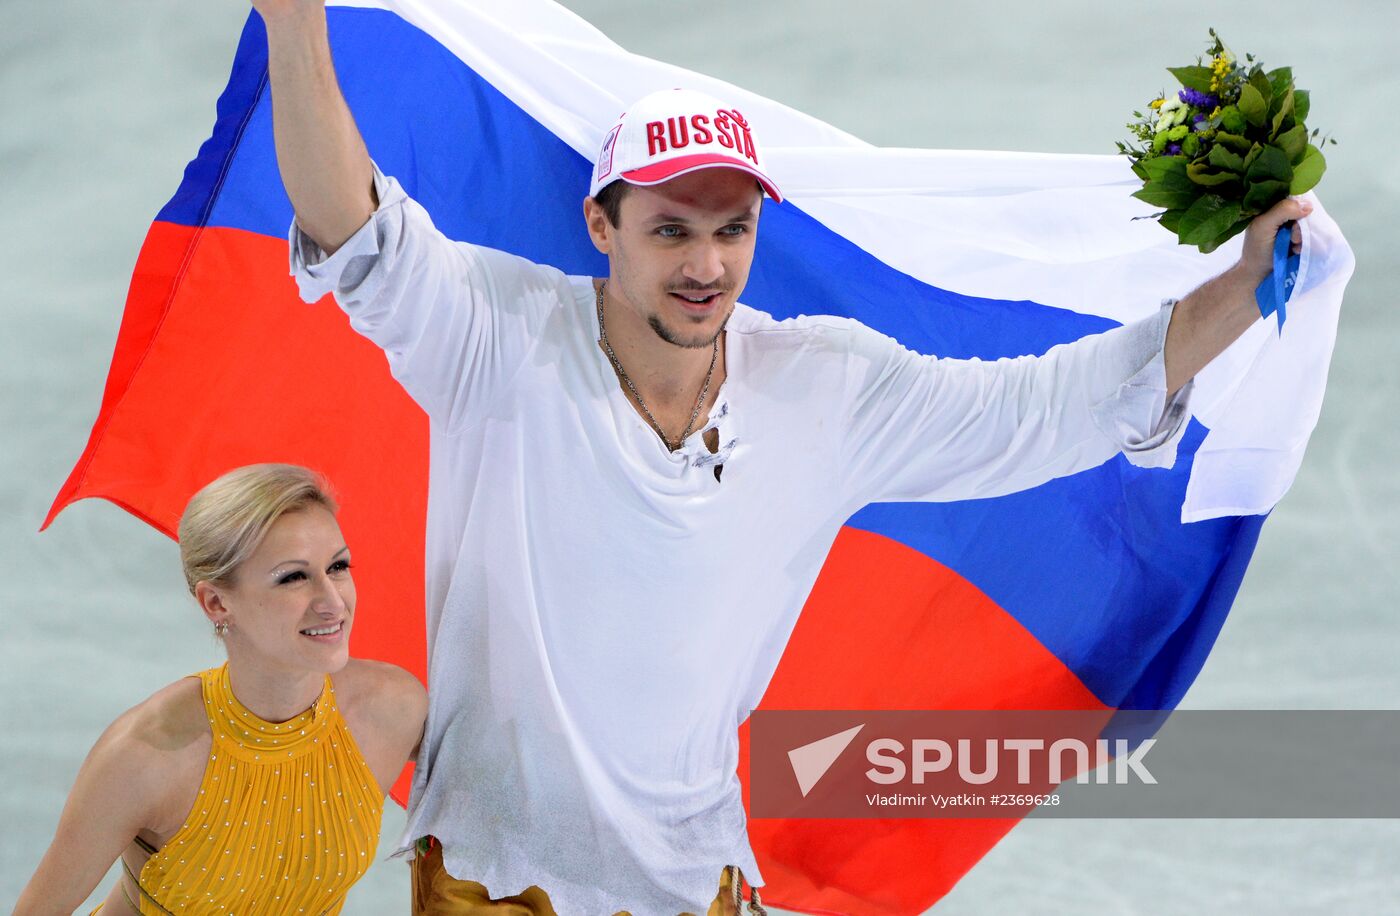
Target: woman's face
(293, 601)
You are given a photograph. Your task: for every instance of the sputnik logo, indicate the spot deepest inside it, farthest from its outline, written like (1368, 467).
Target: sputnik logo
(811, 761)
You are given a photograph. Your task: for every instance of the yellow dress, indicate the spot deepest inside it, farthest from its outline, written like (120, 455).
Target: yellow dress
(286, 820)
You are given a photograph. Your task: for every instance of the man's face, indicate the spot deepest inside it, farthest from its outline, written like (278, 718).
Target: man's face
(681, 251)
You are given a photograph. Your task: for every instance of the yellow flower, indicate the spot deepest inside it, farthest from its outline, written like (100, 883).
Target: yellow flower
(1155, 103)
(1219, 69)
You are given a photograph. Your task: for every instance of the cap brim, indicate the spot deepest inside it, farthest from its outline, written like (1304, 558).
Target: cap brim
(683, 165)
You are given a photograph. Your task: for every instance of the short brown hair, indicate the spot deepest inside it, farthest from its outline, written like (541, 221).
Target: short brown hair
(609, 197)
(226, 521)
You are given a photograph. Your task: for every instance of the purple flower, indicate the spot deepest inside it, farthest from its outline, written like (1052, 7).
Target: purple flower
(1198, 99)
(1173, 148)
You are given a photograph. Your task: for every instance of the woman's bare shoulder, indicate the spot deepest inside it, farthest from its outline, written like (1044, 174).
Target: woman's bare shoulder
(170, 722)
(387, 698)
(366, 682)
(149, 756)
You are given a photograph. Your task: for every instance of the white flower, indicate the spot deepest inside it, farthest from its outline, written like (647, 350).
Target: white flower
(1166, 113)
(1173, 112)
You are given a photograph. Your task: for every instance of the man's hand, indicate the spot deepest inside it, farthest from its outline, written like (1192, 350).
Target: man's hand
(1257, 258)
(1207, 321)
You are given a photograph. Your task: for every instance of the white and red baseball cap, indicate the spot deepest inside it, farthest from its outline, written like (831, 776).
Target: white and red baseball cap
(674, 132)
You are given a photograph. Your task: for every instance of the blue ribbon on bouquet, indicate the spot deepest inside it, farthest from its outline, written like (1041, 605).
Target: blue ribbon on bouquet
(1278, 285)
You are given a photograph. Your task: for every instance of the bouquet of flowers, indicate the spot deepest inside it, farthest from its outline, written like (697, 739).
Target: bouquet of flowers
(1226, 147)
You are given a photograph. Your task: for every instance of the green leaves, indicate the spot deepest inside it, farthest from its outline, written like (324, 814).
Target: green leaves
(1221, 157)
(1158, 196)
(1302, 101)
(1207, 218)
(1202, 174)
(1234, 141)
(1280, 110)
(1171, 220)
(1197, 78)
(1308, 172)
(1264, 194)
(1259, 81)
(1252, 105)
(1235, 229)
(1294, 143)
(1168, 169)
(1270, 165)
(1252, 155)
(1168, 184)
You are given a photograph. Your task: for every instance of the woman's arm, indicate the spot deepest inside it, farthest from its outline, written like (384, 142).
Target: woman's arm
(385, 708)
(113, 797)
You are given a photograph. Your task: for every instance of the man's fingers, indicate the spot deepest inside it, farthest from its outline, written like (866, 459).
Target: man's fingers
(1285, 213)
(1288, 210)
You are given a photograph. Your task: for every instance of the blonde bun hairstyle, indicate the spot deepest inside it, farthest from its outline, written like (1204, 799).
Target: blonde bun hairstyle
(226, 521)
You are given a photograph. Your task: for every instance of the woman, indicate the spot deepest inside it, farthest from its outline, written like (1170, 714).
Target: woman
(255, 787)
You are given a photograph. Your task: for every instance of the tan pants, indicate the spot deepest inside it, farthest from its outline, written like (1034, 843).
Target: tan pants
(436, 893)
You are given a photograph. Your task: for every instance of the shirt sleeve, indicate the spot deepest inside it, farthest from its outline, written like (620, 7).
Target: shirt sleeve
(456, 321)
(923, 428)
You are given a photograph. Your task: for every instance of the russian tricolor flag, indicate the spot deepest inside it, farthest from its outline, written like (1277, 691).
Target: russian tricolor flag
(1103, 590)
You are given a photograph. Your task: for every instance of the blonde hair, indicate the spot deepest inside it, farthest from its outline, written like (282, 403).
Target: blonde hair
(226, 521)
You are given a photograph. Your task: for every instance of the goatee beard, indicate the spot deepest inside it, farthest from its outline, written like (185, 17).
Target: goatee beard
(670, 337)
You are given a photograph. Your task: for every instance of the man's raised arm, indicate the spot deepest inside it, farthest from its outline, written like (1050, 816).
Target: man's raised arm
(324, 164)
(455, 320)
(1220, 310)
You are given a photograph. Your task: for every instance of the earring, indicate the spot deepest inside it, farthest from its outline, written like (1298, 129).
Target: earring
(220, 628)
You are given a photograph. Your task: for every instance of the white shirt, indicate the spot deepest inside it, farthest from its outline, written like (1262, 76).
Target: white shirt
(602, 614)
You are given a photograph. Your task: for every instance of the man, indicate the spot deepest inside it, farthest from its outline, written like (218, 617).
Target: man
(634, 481)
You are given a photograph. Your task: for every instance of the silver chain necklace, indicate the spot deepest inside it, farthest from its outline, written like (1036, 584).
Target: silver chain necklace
(626, 380)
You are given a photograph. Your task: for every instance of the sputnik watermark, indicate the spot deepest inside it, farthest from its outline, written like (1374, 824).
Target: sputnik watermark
(1036, 761)
(1101, 761)
(956, 761)
(1074, 763)
(935, 755)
